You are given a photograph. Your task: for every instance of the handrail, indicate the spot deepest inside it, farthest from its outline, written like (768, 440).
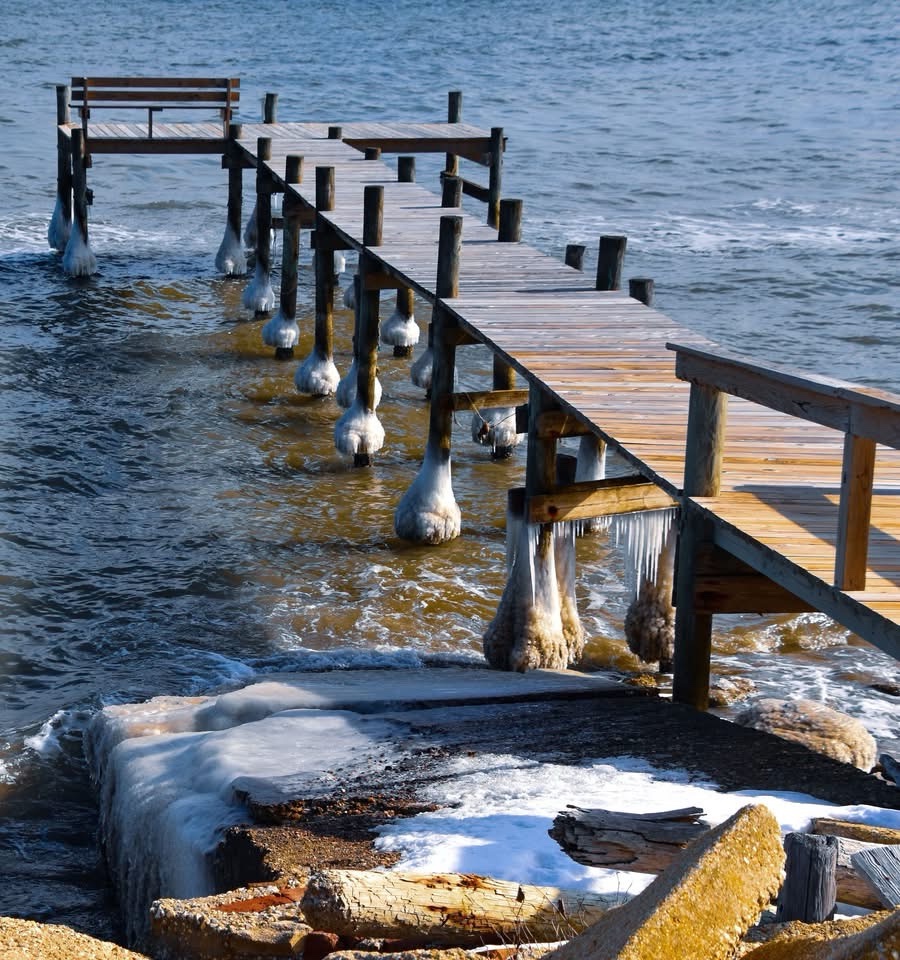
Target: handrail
(865, 416)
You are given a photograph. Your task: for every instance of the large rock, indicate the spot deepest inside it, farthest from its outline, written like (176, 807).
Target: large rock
(701, 905)
(816, 726)
(862, 938)
(254, 923)
(27, 940)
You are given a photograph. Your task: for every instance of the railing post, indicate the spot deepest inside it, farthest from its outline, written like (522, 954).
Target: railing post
(495, 176)
(643, 289)
(270, 108)
(372, 153)
(575, 256)
(454, 115)
(707, 415)
(406, 169)
(451, 192)
(854, 513)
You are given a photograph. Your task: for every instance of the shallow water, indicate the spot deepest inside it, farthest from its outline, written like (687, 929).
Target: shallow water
(174, 514)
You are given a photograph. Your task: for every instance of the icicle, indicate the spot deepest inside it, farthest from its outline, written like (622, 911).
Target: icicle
(59, 228)
(345, 395)
(79, 259)
(319, 377)
(230, 259)
(259, 295)
(564, 552)
(359, 431)
(591, 465)
(650, 619)
(642, 536)
(281, 332)
(428, 512)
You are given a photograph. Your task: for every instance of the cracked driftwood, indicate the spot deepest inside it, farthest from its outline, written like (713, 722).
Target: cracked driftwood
(647, 843)
(449, 909)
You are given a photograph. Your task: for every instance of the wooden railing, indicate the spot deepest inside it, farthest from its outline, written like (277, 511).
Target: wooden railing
(865, 417)
(154, 94)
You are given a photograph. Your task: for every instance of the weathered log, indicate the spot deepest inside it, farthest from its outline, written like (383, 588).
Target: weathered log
(641, 842)
(865, 832)
(447, 909)
(638, 844)
(881, 867)
(809, 890)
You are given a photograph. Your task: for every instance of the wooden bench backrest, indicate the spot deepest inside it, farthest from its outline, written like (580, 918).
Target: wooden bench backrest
(156, 93)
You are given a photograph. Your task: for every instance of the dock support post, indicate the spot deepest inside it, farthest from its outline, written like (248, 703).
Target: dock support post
(61, 222)
(707, 416)
(79, 259)
(406, 169)
(495, 176)
(421, 371)
(454, 115)
(527, 631)
(270, 108)
(259, 295)
(591, 465)
(575, 256)
(318, 375)
(428, 512)
(496, 427)
(230, 258)
(359, 431)
(609, 263)
(400, 330)
(650, 618)
(282, 331)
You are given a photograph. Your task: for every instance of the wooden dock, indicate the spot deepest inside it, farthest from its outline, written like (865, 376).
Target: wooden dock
(788, 484)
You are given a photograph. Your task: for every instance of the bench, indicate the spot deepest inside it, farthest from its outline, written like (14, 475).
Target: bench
(154, 94)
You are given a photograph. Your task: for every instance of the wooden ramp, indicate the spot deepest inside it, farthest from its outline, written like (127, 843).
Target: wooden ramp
(775, 500)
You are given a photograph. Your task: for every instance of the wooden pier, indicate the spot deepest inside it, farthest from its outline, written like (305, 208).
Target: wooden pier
(787, 484)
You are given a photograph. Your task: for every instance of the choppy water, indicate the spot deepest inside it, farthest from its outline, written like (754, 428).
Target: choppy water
(174, 516)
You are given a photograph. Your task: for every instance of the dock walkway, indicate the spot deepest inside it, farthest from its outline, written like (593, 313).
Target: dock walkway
(775, 504)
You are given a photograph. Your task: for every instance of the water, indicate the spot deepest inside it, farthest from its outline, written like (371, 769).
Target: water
(174, 515)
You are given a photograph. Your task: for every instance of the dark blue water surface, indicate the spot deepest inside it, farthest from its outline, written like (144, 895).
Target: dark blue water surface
(174, 516)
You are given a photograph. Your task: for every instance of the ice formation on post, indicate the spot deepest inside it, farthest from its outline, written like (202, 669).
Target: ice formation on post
(318, 376)
(420, 371)
(527, 631)
(496, 428)
(591, 465)
(400, 330)
(573, 632)
(259, 295)
(59, 228)
(428, 511)
(230, 258)
(346, 389)
(250, 231)
(649, 540)
(79, 259)
(359, 431)
(350, 296)
(281, 332)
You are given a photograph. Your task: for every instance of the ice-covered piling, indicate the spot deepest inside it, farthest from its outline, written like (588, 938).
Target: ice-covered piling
(61, 221)
(79, 259)
(259, 295)
(282, 331)
(649, 539)
(230, 258)
(428, 512)
(359, 431)
(400, 330)
(591, 466)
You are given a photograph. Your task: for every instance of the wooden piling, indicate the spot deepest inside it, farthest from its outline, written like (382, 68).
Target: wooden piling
(454, 115)
(63, 172)
(810, 885)
(290, 248)
(270, 108)
(707, 416)
(405, 302)
(641, 288)
(495, 175)
(609, 263)
(575, 255)
(406, 169)
(451, 192)
(263, 210)
(367, 336)
(325, 283)
(80, 194)
(372, 153)
(235, 178)
(335, 133)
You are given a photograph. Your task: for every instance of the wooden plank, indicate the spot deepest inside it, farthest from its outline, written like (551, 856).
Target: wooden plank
(881, 868)
(485, 399)
(598, 498)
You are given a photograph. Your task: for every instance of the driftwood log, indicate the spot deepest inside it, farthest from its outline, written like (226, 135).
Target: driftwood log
(647, 843)
(446, 909)
(881, 867)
